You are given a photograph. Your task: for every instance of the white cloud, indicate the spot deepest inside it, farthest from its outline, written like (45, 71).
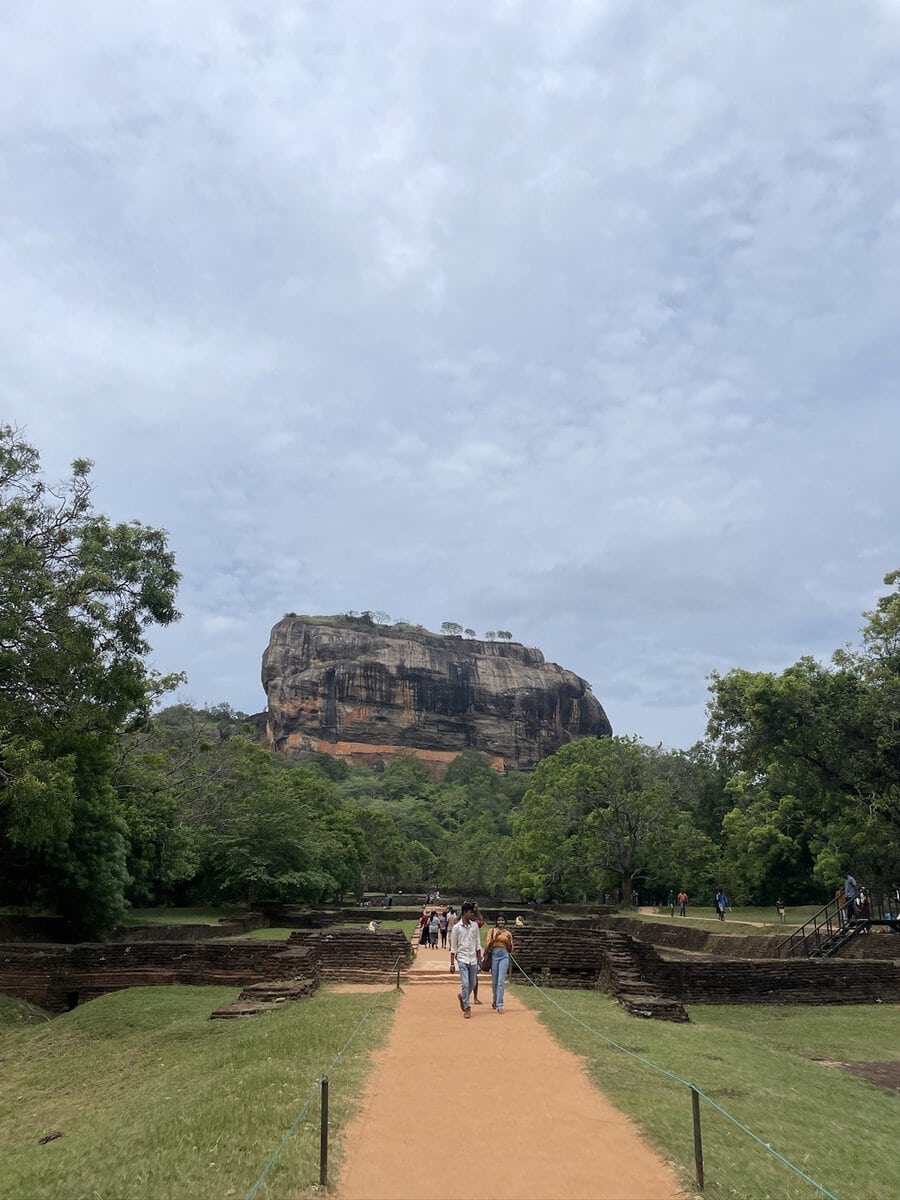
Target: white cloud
(577, 319)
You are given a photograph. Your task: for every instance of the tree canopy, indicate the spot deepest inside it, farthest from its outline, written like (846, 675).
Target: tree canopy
(77, 596)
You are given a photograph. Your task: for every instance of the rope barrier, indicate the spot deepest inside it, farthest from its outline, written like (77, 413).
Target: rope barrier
(677, 1079)
(295, 1124)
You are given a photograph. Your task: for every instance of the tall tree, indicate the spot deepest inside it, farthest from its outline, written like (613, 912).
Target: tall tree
(77, 595)
(824, 740)
(595, 806)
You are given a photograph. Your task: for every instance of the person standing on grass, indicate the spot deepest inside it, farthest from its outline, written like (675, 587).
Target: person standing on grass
(670, 902)
(682, 902)
(721, 904)
(465, 952)
(500, 943)
(779, 908)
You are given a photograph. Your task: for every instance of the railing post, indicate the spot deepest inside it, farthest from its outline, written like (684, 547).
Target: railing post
(323, 1135)
(398, 977)
(698, 1140)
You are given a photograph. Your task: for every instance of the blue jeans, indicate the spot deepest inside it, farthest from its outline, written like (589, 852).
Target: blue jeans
(499, 971)
(468, 973)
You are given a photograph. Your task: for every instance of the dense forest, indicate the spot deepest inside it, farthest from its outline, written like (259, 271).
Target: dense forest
(109, 798)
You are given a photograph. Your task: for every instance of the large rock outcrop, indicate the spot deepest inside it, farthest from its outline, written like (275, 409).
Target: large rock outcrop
(365, 692)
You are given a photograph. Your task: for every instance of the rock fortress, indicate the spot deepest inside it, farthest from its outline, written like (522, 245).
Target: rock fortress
(365, 693)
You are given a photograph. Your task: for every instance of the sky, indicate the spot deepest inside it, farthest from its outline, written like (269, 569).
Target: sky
(575, 318)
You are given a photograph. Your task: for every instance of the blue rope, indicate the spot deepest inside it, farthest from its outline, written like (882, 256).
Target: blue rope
(328, 1070)
(677, 1079)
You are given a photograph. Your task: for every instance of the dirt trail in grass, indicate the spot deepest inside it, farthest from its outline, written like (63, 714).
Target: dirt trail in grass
(489, 1107)
(647, 911)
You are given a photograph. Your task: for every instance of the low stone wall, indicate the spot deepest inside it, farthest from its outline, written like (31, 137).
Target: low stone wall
(880, 943)
(341, 950)
(561, 955)
(700, 941)
(778, 981)
(187, 933)
(33, 929)
(59, 977)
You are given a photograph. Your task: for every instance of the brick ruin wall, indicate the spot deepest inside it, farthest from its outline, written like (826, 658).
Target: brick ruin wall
(880, 943)
(574, 954)
(355, 955)
(57, 977)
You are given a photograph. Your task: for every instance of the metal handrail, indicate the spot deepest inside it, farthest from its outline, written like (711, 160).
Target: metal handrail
(835, 923)
(821, 926)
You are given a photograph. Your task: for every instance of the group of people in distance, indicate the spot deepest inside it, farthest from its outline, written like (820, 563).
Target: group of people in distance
(462, 932)
(721, 903)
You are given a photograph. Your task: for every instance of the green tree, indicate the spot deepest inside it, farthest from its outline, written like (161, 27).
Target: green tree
(595, 806)
(276, 835)
(824, 741)
(451, 628)
(77, 595)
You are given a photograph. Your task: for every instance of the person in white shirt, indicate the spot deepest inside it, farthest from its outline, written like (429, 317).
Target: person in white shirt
(465, 952)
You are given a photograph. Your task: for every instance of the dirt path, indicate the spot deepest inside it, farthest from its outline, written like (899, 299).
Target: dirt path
(646, 910)
(537, 1129)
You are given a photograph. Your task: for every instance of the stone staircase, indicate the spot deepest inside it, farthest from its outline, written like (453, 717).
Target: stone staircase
(268, 997)
(625, 978)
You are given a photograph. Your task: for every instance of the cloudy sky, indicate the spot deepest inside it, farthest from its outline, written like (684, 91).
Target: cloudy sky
(574, 317)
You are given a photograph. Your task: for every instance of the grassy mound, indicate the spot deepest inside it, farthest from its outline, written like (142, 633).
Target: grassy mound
(756, 1061)
(154, 1100)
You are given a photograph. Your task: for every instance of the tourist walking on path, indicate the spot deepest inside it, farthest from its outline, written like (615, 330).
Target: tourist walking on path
(434, 928)
(465, 952)
(500, 944)
(682, 902)
(670, 902)
(443, 920)
(721, 904)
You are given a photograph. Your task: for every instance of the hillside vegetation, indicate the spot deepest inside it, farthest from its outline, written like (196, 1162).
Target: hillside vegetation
(107, 799)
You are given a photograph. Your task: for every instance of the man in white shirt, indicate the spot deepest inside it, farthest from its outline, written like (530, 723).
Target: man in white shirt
(465, 951)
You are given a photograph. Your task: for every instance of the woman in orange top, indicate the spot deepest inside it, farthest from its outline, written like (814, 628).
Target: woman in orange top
(500, 943)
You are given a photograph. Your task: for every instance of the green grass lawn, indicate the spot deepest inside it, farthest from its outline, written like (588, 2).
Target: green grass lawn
(174, 916)
(755, 1061)
(277, 935)
(705, 918)
(155, 1101)
(16, 1013)
(258, 935)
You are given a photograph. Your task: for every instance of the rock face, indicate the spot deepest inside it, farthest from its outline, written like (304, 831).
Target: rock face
(366, 692)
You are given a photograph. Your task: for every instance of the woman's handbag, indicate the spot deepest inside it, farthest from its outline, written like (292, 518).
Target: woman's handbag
(486, 958)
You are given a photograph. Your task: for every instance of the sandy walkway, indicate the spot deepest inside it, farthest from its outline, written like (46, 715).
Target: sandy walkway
(539, 1129)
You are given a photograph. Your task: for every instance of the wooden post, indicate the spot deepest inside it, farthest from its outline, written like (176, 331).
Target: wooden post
(323, 1135)
(398, 977)
(698, 1140)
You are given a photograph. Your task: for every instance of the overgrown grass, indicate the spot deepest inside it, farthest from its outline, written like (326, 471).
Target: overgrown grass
(16, 1013)
(155, 1101)
(755, 1062)
(175, 916)
(258, 935)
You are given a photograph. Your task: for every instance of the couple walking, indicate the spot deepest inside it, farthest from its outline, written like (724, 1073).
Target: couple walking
(465, 952)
